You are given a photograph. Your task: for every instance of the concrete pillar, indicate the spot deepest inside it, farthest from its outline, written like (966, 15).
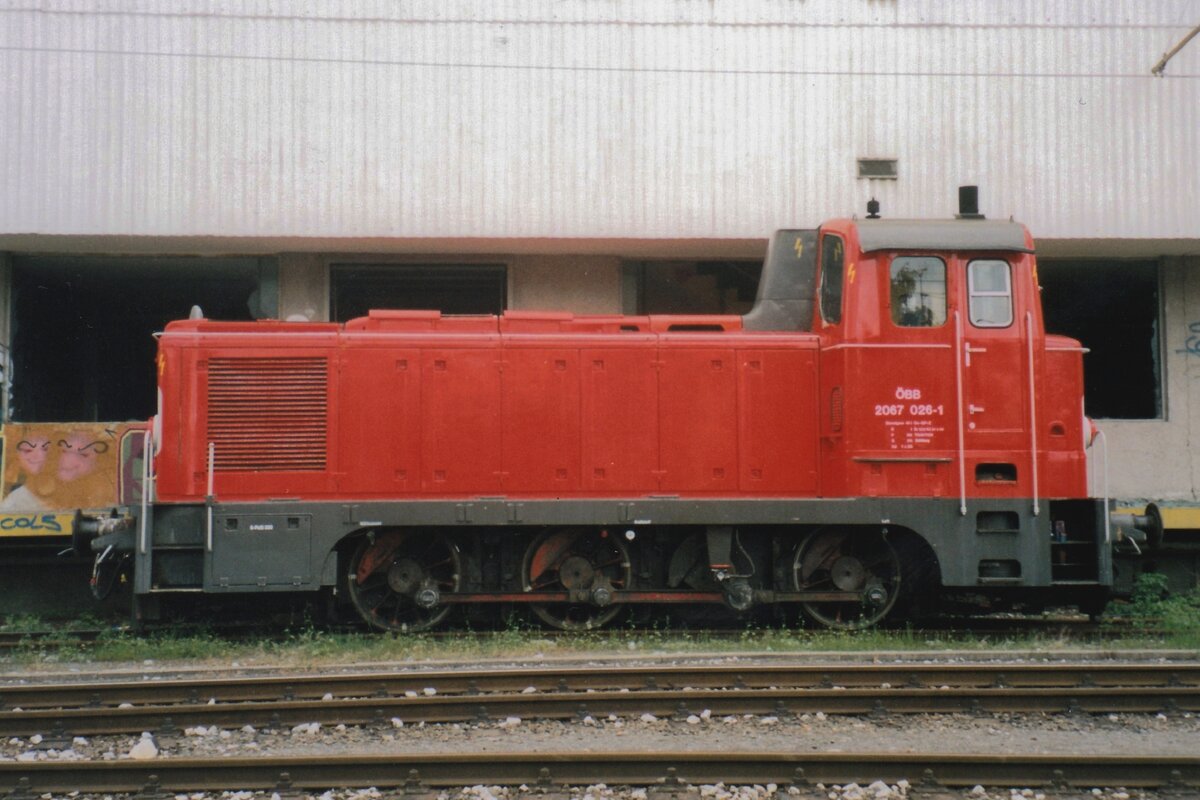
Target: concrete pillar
(579, 284)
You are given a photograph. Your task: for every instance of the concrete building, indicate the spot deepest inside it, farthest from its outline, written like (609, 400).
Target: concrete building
(316, 158)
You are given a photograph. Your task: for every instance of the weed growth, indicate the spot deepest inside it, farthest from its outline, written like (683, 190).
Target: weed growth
(1153, 602)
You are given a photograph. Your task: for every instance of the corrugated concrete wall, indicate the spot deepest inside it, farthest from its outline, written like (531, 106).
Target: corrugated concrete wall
(541, 118)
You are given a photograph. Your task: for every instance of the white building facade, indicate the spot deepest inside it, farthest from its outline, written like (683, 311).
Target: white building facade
(302, 158)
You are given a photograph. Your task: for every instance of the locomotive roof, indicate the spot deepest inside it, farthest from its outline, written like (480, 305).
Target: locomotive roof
(951, 234)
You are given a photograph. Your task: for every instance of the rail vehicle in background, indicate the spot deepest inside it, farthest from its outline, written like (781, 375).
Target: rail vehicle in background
(890, 427)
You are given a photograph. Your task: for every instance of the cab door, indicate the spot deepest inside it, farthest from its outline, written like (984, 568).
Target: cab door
(995, 370)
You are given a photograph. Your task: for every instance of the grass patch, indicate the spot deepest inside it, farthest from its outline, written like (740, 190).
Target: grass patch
(1151, 619)
(314, 647)
(1153, 604)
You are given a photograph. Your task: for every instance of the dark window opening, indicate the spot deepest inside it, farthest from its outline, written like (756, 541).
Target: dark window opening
(918, 297)
(691, 287)
(82, 344)
(832, 255)
(996, 473)
(999, 569)
(1112, 307)
(356, 289)
(997, 522)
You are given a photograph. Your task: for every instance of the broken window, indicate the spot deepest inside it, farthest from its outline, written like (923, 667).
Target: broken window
(690, 287)
(1112, 307)
(356, 289)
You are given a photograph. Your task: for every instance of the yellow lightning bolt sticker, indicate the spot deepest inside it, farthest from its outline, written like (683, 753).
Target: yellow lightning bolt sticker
(798, 246)
(850, 274)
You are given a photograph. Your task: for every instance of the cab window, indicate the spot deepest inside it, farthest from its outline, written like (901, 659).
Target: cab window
(833, 254)
(918, 291)
(989, 293)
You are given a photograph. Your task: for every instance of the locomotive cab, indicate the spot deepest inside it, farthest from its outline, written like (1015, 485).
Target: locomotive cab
(937, 380)
(932, 344)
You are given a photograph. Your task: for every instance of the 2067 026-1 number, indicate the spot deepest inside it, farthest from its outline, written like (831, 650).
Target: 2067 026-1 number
(916, 410)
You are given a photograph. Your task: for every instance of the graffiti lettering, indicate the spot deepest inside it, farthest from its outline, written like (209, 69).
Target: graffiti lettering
(1192, 345)
(32, 522)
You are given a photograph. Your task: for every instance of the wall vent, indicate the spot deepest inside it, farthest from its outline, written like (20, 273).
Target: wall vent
(268, 414)
(878, 168)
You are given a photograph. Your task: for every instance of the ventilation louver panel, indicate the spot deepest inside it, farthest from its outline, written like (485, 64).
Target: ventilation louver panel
(268, 413)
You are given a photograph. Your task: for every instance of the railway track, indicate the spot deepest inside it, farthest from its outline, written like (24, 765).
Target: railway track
(59, 711)
(13, 640)
(666, 770)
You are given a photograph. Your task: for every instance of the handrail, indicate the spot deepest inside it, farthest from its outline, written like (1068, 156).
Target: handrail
(147, 472)
(959, 353)
(1103, 442)
(1033, 451)
(208, 531)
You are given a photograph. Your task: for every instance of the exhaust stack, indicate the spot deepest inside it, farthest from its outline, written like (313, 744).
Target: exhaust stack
(968, 203)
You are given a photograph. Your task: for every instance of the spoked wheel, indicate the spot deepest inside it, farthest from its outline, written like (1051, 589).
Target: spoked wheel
(589, 564)
(850, 560)
(397, 579)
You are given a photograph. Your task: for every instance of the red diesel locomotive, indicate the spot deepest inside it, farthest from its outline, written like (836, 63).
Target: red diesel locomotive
(890, 424)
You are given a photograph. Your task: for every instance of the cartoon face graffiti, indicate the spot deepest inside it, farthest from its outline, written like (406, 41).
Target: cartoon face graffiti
(32, 453)
(77, 455)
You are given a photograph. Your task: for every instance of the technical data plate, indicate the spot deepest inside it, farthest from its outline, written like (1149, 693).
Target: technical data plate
(261, 550)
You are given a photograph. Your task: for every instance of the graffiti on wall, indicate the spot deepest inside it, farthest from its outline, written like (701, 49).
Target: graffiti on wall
(1192, 345)
(53, 468)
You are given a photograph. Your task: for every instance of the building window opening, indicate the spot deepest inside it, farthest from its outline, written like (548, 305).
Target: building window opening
(989, 289)
(356, 289)
(690, 287)
(1112, 308)
(83, 345)
(918, 294)
(833, 254)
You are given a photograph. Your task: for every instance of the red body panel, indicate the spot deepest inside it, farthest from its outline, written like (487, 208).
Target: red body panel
(421, 407)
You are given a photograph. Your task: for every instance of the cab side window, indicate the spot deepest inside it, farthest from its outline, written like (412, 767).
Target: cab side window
(833, 254)
(918, 291)
(989, 293)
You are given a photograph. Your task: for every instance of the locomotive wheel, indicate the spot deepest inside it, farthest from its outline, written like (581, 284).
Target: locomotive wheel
(847, 561)
(388, 572)
(576, 560)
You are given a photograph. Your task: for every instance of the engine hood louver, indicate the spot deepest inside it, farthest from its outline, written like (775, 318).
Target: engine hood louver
(268, 414)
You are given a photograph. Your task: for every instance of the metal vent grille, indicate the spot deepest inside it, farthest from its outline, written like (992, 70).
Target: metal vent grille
(878, 168)
(268, 413)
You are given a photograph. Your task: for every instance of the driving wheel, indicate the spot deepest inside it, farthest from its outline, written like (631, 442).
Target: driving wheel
(397, 579)
(587, 564)
(848, 560)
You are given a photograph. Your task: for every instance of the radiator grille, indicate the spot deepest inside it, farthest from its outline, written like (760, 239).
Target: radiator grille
(268, 413)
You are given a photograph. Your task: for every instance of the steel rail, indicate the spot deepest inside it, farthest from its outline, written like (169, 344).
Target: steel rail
(11, 640)
(615, 768)
(61, 724)
(599, 677)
